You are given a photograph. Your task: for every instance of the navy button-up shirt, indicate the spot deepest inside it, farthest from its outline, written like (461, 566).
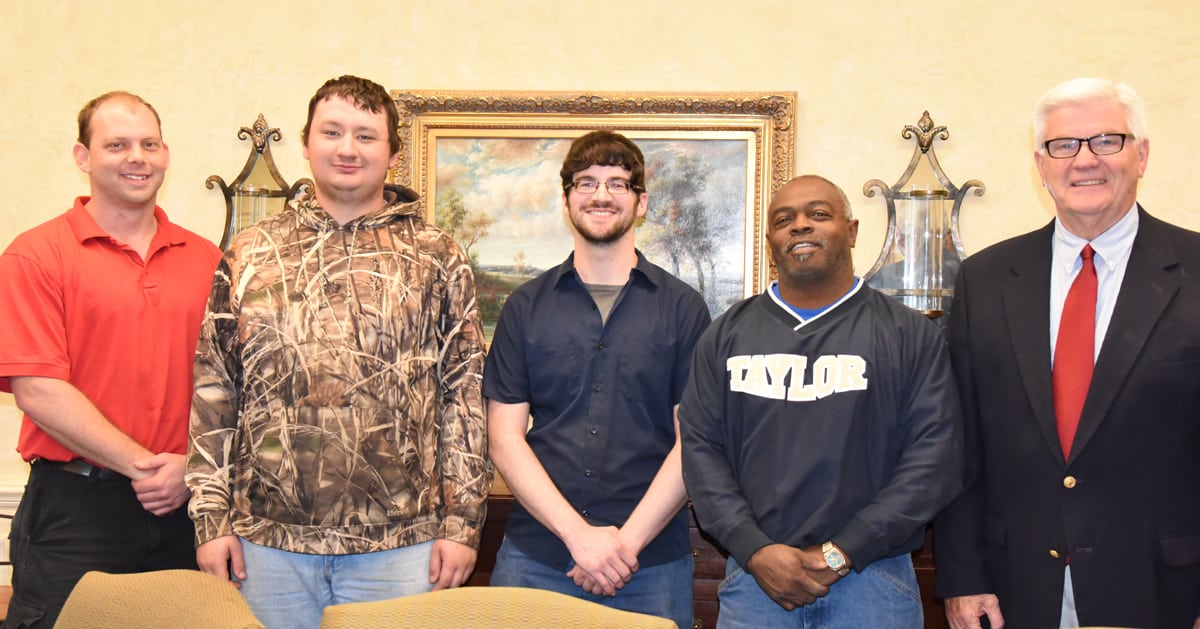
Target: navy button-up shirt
(602, 395)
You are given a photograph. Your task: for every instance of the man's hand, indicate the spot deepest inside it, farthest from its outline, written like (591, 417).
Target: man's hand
(163, 491)
(450, 564)
(791, 577)
(218, 555)
(964, 612)
(607, 563)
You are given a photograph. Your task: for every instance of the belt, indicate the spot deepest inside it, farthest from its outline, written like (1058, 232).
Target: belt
(80, 467)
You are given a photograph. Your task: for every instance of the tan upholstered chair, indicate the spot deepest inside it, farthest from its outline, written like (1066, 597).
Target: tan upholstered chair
(486, 608)
(152, 600)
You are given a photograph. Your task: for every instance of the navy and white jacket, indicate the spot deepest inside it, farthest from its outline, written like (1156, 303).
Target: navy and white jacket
(845, 427)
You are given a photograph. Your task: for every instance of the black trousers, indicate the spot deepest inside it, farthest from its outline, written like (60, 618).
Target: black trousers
(68, 524)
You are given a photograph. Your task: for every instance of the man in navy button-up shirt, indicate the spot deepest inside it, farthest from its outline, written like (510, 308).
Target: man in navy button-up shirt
(597, 349)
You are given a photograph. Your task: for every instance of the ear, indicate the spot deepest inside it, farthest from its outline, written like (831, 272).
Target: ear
(1143, 153)
(1040, 160)
(643, 203)
(395, 159)
(853, 229)
(83, 157)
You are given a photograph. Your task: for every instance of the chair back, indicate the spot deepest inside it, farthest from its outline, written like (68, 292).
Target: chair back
(487, 608)
(153, 600)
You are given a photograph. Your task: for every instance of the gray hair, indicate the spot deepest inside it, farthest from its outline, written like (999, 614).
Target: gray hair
(1090, 90)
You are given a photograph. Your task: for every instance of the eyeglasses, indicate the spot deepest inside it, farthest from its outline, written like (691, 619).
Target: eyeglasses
(590, 186)
(1103, 144)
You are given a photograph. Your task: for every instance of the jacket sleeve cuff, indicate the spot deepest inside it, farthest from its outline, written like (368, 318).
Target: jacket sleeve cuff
(466, 531)
(859, 544)
(745, 541)
(210, 526)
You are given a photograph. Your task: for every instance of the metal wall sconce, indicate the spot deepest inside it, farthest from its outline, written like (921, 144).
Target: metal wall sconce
(259, 190)
(923, 247)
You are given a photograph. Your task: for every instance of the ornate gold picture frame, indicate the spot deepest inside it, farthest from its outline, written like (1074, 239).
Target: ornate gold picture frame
(487, 166)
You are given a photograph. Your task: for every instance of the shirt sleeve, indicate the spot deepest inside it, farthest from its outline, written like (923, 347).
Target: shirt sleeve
(465, 471)
(32, 313)
(720, 507)
(212, 439)
(928, 473)
(694, 320)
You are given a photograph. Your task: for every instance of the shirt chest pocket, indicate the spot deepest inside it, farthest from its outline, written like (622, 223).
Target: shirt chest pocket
(555, 370)
(646, 371)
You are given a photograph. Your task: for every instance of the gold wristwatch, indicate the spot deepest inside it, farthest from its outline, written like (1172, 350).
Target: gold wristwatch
(835, 559)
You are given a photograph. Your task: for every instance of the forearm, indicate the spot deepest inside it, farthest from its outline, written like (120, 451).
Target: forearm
(664, 498)
(524, 474)
(64, 413)
(531, 485)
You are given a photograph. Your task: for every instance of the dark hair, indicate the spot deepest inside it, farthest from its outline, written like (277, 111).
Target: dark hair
(366, 95)
(604, 148)
(85, 114)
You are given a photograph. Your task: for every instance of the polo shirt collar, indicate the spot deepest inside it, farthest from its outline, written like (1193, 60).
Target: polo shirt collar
(85, 227)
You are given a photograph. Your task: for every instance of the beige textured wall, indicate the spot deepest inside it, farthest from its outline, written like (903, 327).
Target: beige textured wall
(862, 69)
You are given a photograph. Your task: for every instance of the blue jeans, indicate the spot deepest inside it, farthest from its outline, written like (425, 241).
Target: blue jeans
(882, 596)
(291, 590)
(663, 590)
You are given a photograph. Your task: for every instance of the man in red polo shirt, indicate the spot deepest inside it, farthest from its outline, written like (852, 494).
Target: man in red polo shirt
(101, 314)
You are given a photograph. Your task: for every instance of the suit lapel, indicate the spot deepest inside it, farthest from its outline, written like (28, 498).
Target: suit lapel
(1027, 309)
(1146, 290)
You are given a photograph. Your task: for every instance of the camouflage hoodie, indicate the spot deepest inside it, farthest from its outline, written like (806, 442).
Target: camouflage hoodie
(337, 406)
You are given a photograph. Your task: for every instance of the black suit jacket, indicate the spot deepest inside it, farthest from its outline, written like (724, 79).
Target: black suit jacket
(1125, 506)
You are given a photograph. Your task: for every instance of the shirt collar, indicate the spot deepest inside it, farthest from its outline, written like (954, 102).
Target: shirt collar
(1112, 247)
(643, 268)
(86, 228)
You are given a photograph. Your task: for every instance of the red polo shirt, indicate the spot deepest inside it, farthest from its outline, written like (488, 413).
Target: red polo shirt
(81, 307)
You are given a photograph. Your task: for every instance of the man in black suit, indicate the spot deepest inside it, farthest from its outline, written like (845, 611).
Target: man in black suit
(1094, 522)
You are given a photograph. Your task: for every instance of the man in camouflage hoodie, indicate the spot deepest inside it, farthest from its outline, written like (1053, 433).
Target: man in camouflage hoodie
(338, 445)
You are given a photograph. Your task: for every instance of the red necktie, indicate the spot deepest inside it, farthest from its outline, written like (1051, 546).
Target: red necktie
(1075, 351)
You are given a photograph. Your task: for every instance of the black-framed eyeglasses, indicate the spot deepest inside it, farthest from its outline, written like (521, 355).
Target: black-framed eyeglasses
(589, 186)
(1103, 144)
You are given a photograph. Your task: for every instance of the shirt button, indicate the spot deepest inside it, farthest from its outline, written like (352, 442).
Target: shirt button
(592, 429)
(600, 346)
(595, 388)
(587, 473)
(1054, 553)
(1069, 482)
(584, 513)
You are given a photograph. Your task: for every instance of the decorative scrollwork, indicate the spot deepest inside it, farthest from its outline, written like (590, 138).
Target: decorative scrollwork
(925, 132)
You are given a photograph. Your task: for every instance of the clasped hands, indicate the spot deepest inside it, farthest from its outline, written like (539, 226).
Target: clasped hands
(792, 577)
(604, 562)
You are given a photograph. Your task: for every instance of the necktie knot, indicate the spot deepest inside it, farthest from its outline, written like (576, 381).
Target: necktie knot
(1087, 253)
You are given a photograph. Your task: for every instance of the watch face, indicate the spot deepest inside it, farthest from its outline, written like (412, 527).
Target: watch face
(835, 560)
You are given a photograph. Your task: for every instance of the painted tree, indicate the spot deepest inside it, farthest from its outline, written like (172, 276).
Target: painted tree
(464, 226)
(678, 222)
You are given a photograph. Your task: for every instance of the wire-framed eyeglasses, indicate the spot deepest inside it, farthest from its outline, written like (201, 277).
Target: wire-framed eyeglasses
(1103, 144)
(588, 186)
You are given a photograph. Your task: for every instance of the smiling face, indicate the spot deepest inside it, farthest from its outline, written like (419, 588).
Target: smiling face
(1091, 192)
(810, 238)
(603, 218)
(349, 155)
(125, 158)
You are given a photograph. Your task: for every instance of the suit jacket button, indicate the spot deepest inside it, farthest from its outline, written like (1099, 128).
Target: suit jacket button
(1069, 482)
(1054, 553)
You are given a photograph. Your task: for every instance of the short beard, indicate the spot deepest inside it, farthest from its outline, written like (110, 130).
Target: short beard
(614, 234)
